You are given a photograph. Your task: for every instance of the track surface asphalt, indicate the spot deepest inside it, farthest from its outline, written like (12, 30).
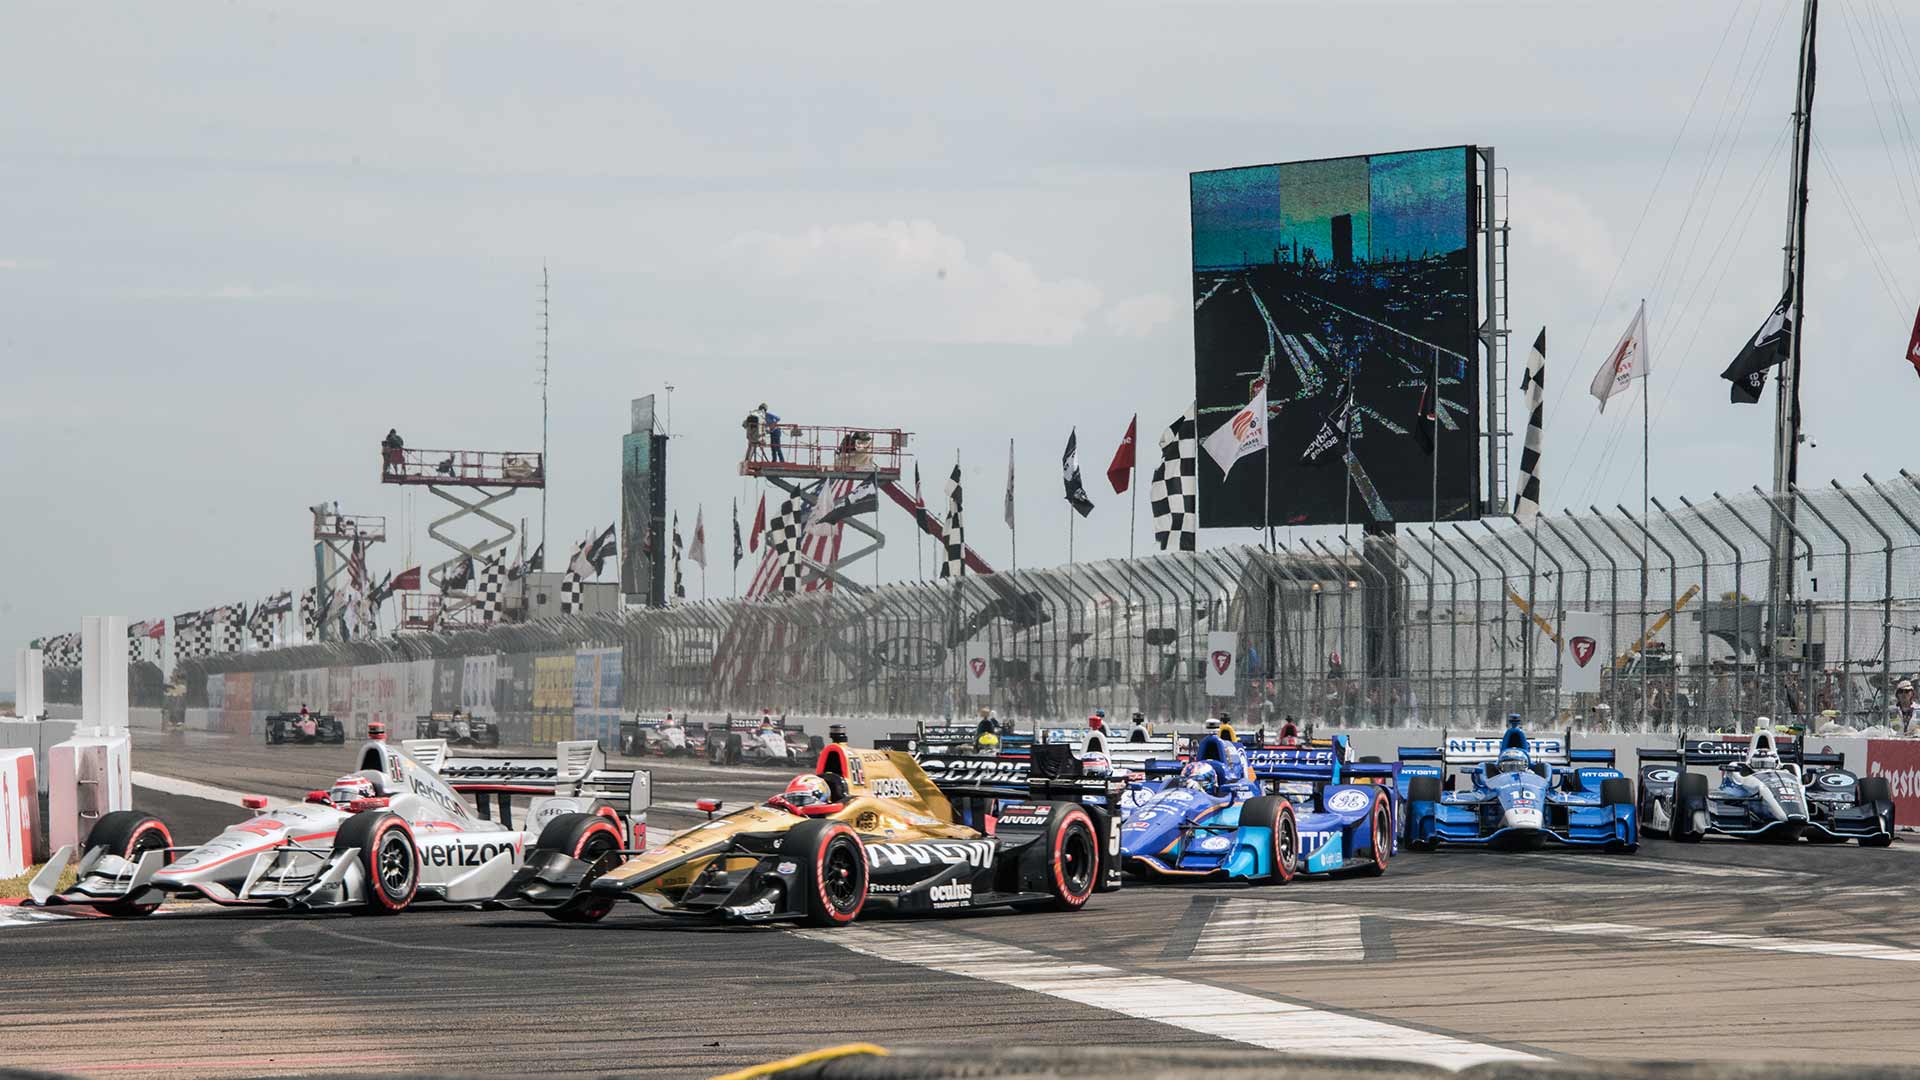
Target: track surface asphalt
(1712, 952)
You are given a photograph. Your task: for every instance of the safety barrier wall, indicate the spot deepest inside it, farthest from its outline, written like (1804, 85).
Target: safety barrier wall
(88, 778)
(19, 811)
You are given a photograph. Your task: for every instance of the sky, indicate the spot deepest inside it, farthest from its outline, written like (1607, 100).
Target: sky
(241, 241)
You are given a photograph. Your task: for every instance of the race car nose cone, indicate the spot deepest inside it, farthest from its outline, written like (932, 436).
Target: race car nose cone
(607, 887)
(1521, 817)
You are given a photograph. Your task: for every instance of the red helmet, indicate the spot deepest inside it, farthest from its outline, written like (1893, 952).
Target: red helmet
(807, 790)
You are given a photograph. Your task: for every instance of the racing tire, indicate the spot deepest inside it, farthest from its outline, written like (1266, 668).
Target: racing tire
(715, 751)
(1276, 814)
(1073, 860)
(1421, 789)
(387, 855)
(585, 837)
(1875, 789)
(273, 735)
(1382, 838)
(815, 744)
(732, 749)
(834, 874)
(1689, 791)
(128, 834)
(339, 736)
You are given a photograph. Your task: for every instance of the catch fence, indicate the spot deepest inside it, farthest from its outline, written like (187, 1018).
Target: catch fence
(1453, 625)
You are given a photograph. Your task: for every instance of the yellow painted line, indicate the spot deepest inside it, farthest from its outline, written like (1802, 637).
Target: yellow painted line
(774, 1068)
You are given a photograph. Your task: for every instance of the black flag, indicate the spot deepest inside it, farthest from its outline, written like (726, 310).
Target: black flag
(1070, 473)
(1333, 428)
(738, 551)
(1767, 347)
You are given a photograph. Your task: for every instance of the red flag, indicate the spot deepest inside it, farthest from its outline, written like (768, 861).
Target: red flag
(759, 525)
(157, 628)
(409, 581)
(1120, 472)
(1913, 345)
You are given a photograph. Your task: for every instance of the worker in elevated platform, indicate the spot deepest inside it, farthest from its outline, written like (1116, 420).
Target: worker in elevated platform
(390, 450)
(770, 423)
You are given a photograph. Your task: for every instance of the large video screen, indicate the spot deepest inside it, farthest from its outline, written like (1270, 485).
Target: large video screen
(1350, 283)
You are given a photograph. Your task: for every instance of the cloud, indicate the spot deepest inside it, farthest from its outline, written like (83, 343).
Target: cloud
(229, 292)
(901, 281)
(1138, 316)
(1570, 231)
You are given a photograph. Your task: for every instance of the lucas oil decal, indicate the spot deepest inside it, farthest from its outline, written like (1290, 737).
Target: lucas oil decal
(889, 787)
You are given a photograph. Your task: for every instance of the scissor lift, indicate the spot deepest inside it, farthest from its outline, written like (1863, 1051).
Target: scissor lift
(474, 481)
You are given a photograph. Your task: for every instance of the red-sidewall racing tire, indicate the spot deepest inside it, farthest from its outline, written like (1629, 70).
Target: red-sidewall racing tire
(1073, 860)
(1276, 814)
(1382, 838)
(585, 837)
(836, 872)
(128, 834)
(389, 857)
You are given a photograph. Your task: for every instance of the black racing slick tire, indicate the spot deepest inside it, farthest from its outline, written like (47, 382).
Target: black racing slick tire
(1073, 860)
(585, 837)
(815, 744)
(1277, 815)
(1689, 792)
(834, 873)
(1616, 792)
(1382, 832)
(387, 855)
(128, 834)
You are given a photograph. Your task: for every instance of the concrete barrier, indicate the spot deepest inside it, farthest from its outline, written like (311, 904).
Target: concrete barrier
(91, 776)
(19, 811)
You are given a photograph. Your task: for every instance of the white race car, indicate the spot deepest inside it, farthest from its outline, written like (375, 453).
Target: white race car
(379, 839)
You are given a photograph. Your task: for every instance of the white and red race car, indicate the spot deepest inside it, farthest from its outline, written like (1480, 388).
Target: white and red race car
(396, 831)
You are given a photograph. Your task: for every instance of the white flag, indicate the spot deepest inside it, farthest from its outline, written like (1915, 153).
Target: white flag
(1628, 360)
(1244, 434)
(697, 551)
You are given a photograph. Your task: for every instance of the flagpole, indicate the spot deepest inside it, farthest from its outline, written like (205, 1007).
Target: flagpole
(1011, 517)
(734, 589)
(1646, 470)
(1133, 495)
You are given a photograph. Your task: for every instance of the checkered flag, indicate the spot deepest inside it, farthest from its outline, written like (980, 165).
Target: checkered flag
(956, 541)
(570, 590)
(493, 586)
(261, 625)
(309, 614)
(679, 584)
(232, 628)
(192, 635)
(1174, 497)
(61, 651)
(1526, 505)
(784, 532)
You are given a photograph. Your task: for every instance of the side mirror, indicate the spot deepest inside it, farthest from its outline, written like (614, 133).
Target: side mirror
(258, 803)
(711, 806)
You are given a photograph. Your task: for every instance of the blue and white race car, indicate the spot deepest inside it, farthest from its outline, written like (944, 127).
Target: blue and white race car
(1524, 792)
(1263, 815)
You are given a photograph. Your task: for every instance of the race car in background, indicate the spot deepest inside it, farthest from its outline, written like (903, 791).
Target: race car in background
(458, 729)
(378, 840)
(884, 836)
(1770, 789)
(1520, 793)
(311, 727)
(667, 736)
(761, 742)
(1261, 815)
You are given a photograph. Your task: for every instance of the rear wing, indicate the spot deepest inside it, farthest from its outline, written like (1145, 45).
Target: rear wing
(752, 723)
(1730, 749)
(578, 769)
(1052, 772)
(1479, 749)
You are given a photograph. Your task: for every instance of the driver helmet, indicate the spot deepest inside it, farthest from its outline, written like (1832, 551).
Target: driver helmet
(1096, 765)
(807, 789)
(1198, 774)
(988, 741)
(1097, 721)
(376, 731)
(303, 708)
(1226, 732)
(1512, 760)
(348, 788)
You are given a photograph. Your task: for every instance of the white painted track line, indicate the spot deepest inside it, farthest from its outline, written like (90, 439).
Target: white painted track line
(1209, 1010)
(1250, 931)
(172, 786)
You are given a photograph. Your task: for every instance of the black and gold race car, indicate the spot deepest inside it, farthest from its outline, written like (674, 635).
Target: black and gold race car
(886, 838)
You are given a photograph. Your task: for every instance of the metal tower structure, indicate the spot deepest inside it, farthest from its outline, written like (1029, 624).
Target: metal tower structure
(829, 465)
(474, 482)
(334, 535)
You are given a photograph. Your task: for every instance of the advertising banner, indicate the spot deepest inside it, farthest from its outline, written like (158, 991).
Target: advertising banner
(216, 701)
(419, 692)
(1585, 653)
(979, 669)
(1899, 761)
(1223, 664)
(236, 708)
(513, 699)
(552, 699)
(477, 684)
